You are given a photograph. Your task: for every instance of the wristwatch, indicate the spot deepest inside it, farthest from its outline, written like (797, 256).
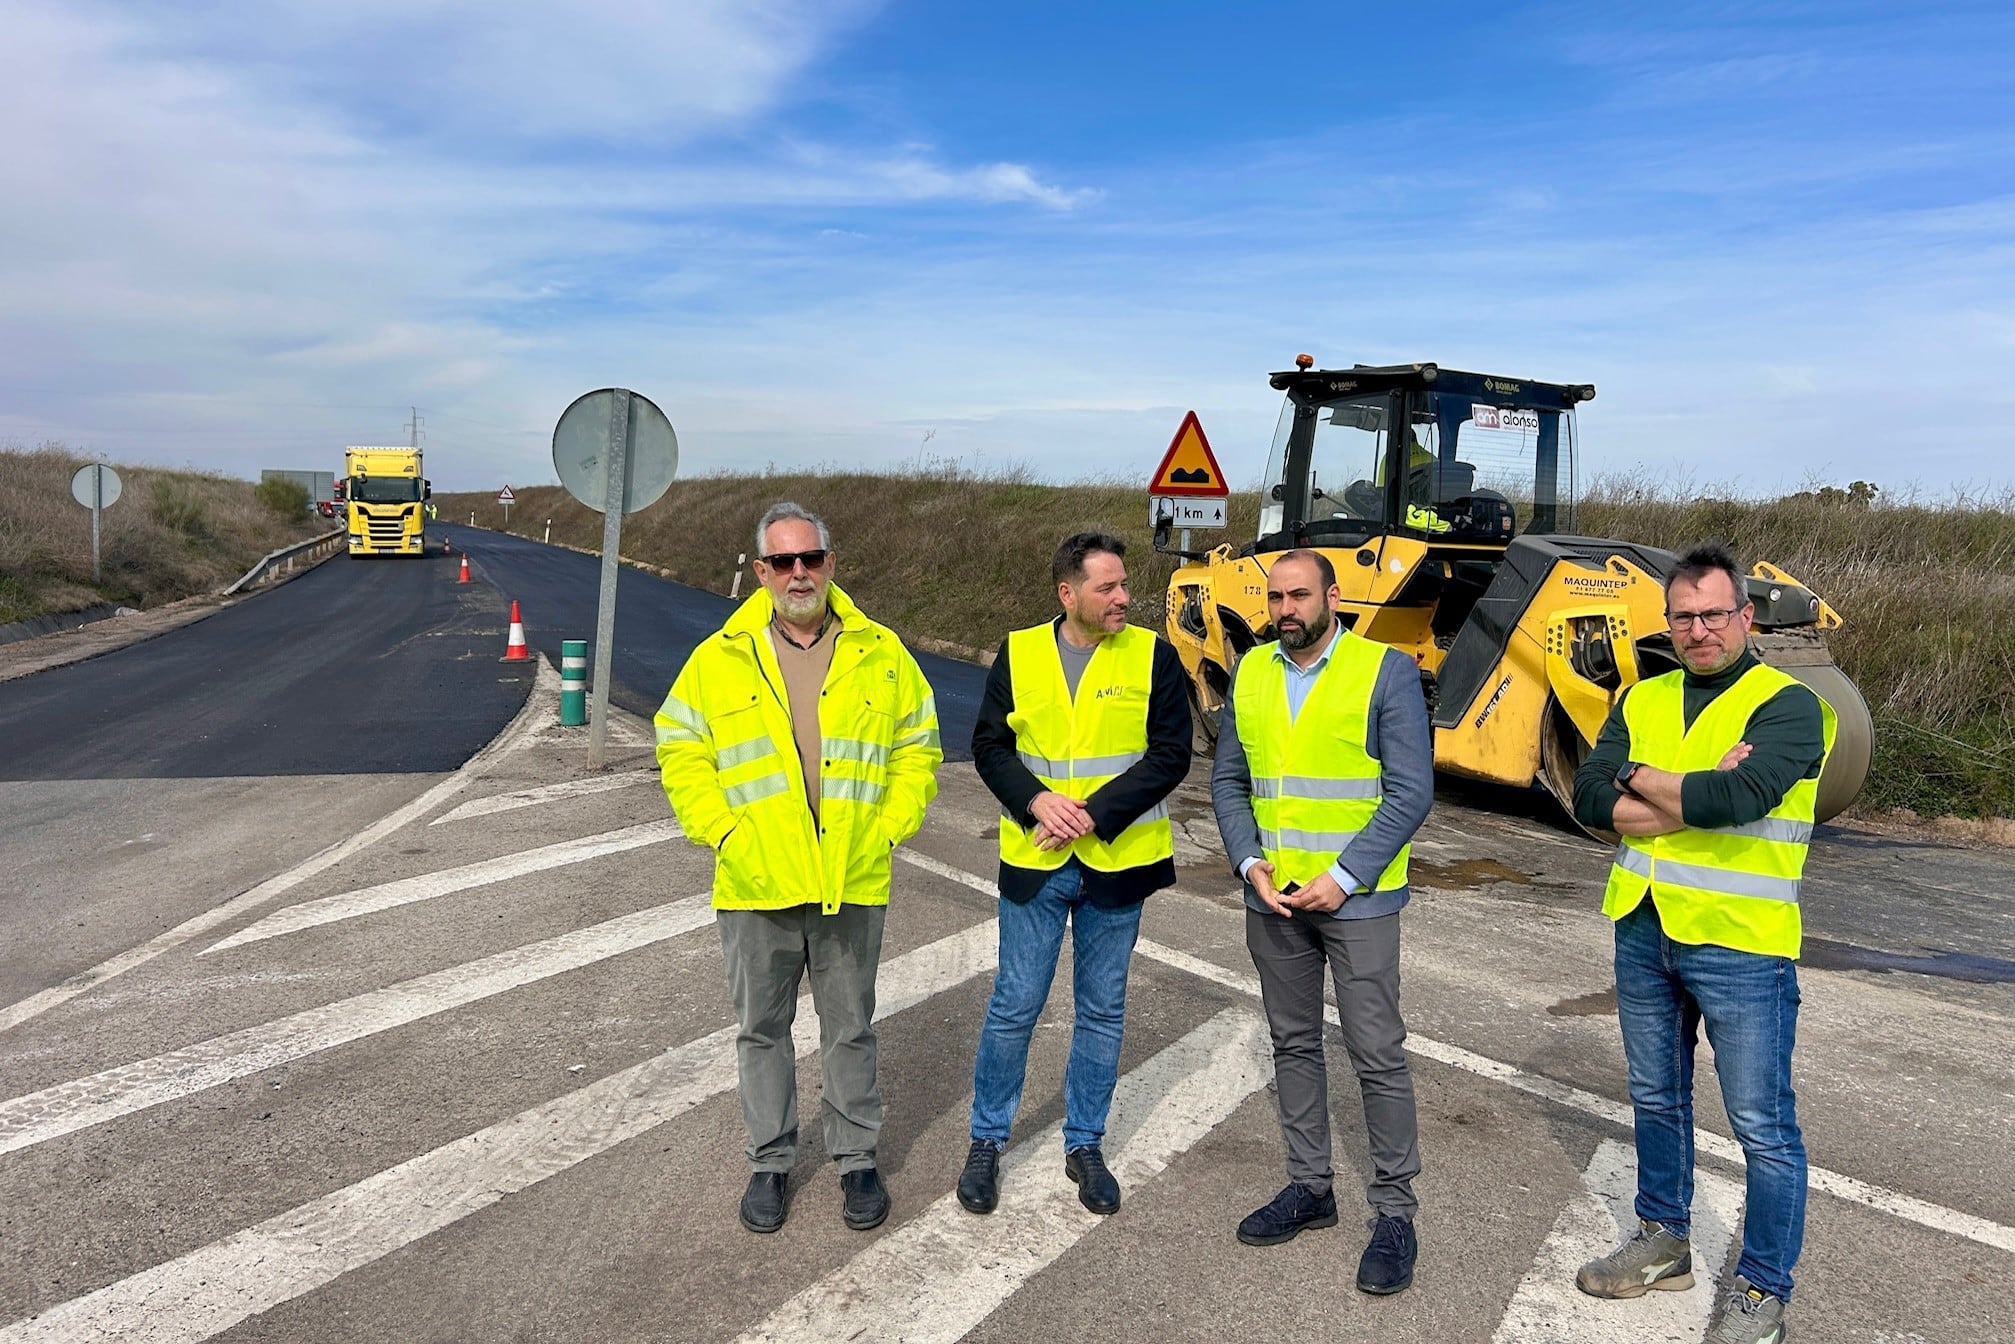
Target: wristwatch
(1623, 778)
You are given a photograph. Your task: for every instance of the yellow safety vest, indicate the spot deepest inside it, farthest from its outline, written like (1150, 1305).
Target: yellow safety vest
(1075, 745)
(1313, 785)
(1733, 886)
(730, 763)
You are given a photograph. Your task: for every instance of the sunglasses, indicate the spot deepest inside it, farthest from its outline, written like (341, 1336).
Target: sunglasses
(783, 562)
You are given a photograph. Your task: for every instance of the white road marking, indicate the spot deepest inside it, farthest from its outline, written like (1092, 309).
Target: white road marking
(542, 701)
(572, 788)
(214, 1287)
(37, 1117)
(945, 1271)
(1907, 1207)
(446, 882)
(1547, 1308)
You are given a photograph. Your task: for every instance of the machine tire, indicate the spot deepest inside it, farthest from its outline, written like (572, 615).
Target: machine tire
(1853, 737)
(1202, 726)
(1561, 752)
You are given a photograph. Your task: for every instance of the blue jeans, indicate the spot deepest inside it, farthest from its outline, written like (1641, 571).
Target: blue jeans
(1664, 991)
(1031, 936)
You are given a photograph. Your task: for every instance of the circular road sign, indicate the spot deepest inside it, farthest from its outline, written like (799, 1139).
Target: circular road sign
(96, 484)
(581, 446)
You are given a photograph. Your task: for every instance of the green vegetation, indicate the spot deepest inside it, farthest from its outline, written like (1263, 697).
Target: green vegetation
(171, 535)
(1927, 590)
(287, 499)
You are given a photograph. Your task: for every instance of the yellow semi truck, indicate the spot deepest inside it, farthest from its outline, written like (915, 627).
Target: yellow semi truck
(386, 498)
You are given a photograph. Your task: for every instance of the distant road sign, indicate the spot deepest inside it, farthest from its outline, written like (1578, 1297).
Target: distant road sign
(507, 496)
(95, 486)
(1189, 468)
(1184, 512)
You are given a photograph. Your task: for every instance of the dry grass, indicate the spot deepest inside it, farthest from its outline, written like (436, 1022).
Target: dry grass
(171, 534)
(1927, 590)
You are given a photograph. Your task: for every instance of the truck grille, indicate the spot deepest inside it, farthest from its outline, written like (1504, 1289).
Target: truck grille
(385, 531)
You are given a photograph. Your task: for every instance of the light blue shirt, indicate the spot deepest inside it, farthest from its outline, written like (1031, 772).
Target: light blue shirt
(1300, 680)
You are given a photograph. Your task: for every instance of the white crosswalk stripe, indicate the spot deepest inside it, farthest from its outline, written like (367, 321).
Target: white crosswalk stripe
(428, 886)
(213, 1288)
(945, 1271)
(1548, 1309)
(40, 1116)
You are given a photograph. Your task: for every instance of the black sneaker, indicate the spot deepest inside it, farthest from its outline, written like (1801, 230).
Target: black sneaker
(1096, 1188)
(1387, 1263)
(1293, 1210)
(864, 1200)
(763, 1206)
(979, 1183)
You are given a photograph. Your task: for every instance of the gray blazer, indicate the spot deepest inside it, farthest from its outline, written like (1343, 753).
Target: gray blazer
(1397, 734)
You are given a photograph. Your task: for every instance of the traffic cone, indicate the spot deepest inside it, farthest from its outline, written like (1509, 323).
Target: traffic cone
(514, 647)
(465, 568)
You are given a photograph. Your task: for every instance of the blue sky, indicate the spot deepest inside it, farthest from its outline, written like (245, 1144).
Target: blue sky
(1779, 238)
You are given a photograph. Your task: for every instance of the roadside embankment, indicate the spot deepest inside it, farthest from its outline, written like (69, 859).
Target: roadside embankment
(170, 536)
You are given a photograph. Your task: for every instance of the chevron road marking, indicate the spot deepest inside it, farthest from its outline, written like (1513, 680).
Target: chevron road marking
(214, 1287)
(448, 881)
(545, 793)
(1907, 1207)
(40, 1116)
(943, 1272)
(1547, 1308)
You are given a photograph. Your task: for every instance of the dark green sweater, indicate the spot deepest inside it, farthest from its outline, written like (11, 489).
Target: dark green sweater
(1786, 737)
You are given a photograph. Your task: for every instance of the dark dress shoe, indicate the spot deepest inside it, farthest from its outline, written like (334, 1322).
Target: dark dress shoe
(1387, 1264)
(980, 1182)
(1096, 1188)
(1293, 1211)
(864, 1200)
(763, 1205)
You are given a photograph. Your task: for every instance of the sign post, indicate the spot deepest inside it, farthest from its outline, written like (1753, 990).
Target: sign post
(96, 487)
(507, 497)
(617, 453)
(1188, 489)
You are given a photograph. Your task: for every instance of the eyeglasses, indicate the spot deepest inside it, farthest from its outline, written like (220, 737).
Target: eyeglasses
(783, 562)
(1706, 620)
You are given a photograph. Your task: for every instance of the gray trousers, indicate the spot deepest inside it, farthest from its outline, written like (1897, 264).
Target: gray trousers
(768, 953)
(1363, 956)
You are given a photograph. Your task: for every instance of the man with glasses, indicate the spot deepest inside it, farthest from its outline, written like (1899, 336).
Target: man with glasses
(1083, 733)
(1710, 774)
(800, 743)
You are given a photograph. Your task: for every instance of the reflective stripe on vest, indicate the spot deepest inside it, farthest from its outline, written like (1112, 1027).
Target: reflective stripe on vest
(1075, 744)
(1313, 785)
(1733, 886)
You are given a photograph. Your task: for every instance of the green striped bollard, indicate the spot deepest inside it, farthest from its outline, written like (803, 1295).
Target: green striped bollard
(573, 682)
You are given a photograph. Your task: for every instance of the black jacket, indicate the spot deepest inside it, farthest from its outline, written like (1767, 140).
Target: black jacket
(1115, 805)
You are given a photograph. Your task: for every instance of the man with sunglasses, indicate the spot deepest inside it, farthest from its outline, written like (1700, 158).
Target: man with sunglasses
(1083, 733)
(1710, 774)
(800, 743)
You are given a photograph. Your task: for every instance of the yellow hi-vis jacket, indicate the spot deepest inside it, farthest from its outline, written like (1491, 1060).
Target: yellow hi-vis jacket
(1733, 886)
(1313, 785)
(731, 769)
(1076, 745)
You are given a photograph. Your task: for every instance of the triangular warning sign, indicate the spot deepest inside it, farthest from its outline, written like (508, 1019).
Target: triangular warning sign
(1188, 467)
(507, 496)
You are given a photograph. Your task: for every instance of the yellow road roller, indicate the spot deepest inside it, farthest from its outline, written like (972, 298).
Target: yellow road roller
(1446, 502)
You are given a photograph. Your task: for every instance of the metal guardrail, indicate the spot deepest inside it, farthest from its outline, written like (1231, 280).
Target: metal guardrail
(284, 560)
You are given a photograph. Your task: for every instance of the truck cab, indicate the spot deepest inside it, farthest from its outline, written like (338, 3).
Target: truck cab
(387, 501)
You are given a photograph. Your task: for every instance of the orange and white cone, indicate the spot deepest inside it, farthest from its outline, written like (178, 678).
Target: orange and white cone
(465, 568)
(515, 650)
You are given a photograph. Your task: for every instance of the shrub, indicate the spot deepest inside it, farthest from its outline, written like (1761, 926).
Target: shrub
(287, 499)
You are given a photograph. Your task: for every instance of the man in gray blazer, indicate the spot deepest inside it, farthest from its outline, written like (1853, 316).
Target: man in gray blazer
(1325, 769)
